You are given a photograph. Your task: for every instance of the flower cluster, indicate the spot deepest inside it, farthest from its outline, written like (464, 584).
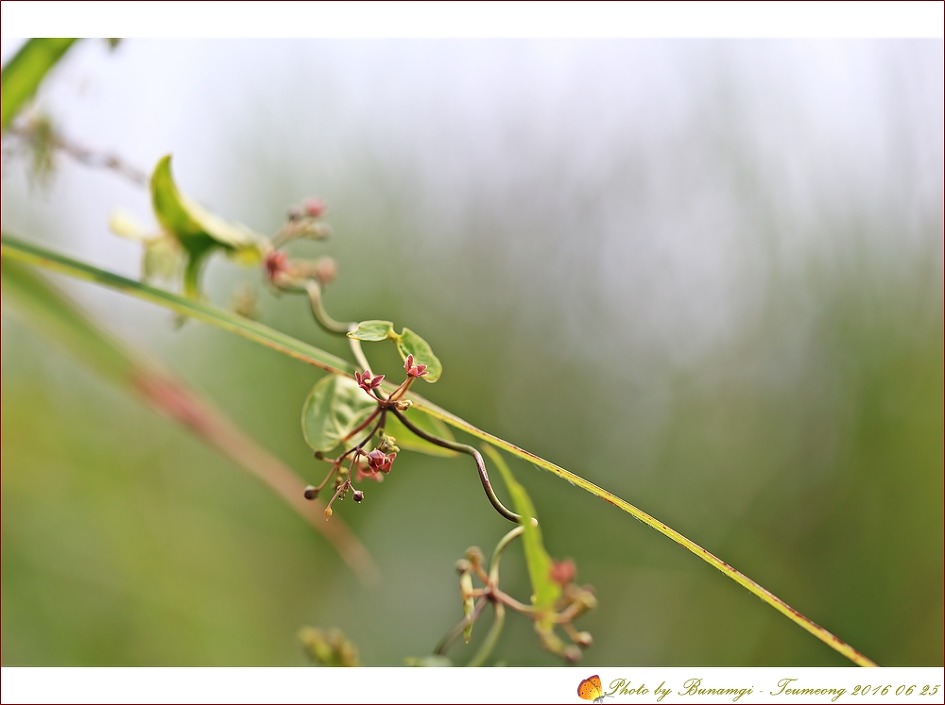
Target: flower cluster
(284, 273)
(299, 274)
(573, 601)
(302, 221)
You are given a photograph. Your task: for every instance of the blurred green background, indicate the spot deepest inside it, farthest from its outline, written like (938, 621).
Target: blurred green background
(706, 275)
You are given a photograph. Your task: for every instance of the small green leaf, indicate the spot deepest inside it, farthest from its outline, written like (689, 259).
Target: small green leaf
(407, 440)
(409, 343)
(333, 409)
(373, 331)
(199, 231)
(25, 71)
(545, 591)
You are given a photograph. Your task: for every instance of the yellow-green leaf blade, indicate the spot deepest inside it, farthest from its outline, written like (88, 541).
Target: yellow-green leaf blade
(197, 230)
(169, 207)
(545, 591)
(25, 71)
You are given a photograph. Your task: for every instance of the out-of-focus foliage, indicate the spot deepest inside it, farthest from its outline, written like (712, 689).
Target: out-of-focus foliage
(24, 72)
(706, 275)
(61, 323)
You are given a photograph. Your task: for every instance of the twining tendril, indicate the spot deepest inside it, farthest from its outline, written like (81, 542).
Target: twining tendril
(468, 450)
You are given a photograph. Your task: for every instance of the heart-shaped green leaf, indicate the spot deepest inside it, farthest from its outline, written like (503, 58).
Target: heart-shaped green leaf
(373, 331)
(409, 343)
(333, 409)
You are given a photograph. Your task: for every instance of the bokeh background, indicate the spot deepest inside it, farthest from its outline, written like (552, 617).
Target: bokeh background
(704, 274)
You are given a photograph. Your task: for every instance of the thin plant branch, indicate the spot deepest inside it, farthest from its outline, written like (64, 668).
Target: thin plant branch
(92, 158)
(314, 291)
(454, 633)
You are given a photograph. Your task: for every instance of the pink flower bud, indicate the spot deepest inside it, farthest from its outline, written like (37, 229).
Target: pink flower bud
(314, 207)
(563, 572)
(413, 370)
(378, 461)
(276, 264)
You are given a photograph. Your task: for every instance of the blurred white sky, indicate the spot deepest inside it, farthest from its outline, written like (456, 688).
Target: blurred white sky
(626, 160)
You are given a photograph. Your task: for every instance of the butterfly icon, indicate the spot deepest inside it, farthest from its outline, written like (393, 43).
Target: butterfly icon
(590, 689)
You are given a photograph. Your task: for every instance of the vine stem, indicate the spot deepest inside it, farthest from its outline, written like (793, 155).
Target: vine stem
(314, 292)
(497, 553)
(38, 256)
(468, 450)
(358, 352)
(454, 633)
(492, 637)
